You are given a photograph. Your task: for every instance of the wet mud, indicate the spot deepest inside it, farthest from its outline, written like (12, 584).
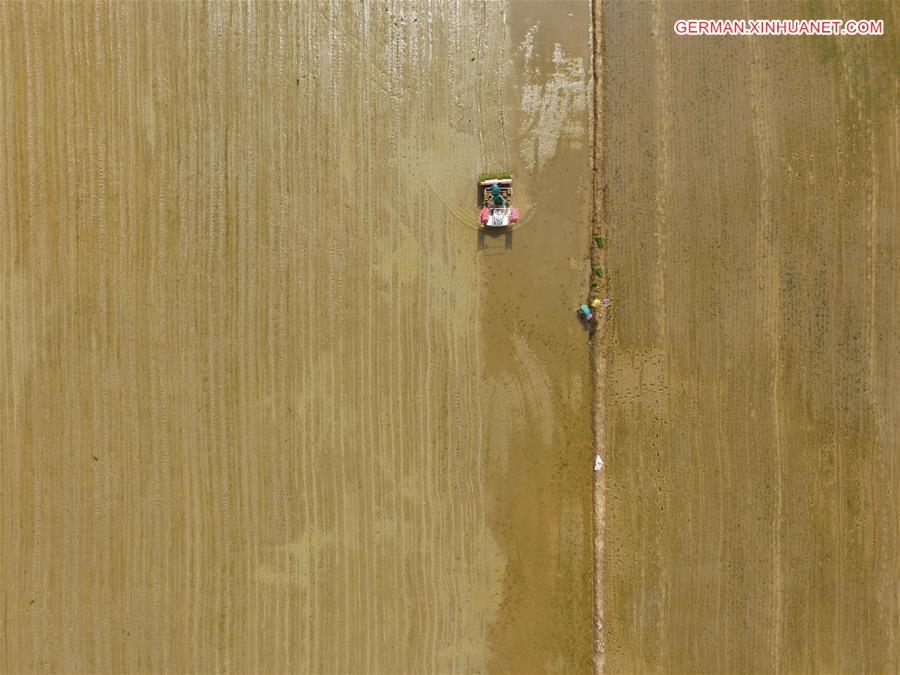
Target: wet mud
(537, 387)
(268, 403)
(751, 500)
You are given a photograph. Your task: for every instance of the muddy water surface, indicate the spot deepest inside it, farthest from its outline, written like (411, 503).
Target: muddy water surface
(266, 401)
(537, 386)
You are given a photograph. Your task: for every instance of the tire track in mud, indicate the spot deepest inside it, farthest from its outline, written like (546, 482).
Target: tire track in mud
(762, 122)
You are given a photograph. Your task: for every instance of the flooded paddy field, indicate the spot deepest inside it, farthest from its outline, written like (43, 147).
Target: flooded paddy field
(752, 366)
(267, 400)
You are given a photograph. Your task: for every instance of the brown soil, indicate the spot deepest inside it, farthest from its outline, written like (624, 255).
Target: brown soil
(752, 400)
(265, 405)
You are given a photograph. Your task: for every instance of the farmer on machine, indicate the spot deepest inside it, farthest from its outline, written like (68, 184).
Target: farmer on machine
(497, 195)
